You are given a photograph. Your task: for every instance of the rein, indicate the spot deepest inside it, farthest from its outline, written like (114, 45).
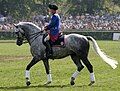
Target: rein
(34, 35)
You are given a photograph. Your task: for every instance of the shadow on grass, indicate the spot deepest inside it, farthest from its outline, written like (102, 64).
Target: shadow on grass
(37, 86)
(44, 86)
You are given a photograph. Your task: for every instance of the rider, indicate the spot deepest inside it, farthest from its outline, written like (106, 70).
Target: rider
(52, 29)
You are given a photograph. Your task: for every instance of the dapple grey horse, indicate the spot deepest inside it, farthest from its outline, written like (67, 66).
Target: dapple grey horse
(77, 46)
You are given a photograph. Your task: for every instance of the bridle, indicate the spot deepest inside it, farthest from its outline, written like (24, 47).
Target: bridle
(21, 35)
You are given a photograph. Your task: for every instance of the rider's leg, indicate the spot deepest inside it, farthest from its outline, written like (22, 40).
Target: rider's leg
(48, 46)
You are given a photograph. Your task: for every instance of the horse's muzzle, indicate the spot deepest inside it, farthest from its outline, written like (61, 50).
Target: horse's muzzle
(19, 42)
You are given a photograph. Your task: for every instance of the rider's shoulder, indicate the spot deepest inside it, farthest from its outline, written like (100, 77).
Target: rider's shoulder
(56, 15)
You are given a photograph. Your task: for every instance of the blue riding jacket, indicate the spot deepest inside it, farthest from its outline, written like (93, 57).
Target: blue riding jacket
(54, 27)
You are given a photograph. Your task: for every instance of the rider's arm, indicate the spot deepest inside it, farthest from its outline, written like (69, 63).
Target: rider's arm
(53, 22)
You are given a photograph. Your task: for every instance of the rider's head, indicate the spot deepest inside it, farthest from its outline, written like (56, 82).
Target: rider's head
(52, 8)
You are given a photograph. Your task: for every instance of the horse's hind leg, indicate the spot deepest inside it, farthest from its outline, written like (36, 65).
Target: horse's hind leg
(79, 65)
(90, 69)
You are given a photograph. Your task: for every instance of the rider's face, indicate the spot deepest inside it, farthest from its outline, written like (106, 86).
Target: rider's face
(51, 11)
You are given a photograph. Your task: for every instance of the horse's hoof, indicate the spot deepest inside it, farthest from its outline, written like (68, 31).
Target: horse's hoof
(28, 83)
(91, 83)
(72, 82)
(47, 83)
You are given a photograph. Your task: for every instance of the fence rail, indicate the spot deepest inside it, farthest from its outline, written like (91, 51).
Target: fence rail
(99, 35)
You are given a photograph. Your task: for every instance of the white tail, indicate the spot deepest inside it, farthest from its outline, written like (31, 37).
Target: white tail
(113, 63)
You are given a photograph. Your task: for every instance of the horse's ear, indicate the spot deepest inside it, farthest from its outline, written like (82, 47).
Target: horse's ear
(15, 25)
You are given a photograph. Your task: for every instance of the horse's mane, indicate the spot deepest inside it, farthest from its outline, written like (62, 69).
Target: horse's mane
(29, 23)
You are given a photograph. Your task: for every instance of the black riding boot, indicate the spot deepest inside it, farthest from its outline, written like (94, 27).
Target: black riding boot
(49, 51)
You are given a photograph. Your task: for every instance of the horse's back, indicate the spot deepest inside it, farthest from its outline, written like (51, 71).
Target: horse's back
(75, 35)
(70, 38)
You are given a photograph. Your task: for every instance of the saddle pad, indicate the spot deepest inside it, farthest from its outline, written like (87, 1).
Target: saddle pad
(59, 43)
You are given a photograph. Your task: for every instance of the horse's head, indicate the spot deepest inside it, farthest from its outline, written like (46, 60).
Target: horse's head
(25, 30)
(20, 34)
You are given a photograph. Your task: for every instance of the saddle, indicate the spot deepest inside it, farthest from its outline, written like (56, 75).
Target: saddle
(60, 42)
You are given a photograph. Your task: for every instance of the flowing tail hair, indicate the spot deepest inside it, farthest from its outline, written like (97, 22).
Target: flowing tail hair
(113, 63)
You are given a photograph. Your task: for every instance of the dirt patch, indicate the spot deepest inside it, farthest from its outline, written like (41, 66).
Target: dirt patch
(7, 41)
(14, 58)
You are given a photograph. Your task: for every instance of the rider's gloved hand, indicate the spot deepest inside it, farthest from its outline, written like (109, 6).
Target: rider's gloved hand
(45, 28)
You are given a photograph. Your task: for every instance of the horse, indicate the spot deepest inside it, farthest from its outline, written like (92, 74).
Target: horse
(76, 46)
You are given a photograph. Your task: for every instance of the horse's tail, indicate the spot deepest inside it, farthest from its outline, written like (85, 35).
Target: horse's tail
(113, 63)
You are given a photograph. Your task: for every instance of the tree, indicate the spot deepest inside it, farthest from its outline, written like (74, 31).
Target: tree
(24, 8)
(16, 8)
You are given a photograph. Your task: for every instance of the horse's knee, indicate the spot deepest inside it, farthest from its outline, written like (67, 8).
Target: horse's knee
(80, 68)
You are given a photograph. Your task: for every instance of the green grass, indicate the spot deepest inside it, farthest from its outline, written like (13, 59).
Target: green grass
(14, 59)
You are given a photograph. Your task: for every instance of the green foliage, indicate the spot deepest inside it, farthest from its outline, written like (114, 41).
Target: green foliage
(117, 2)
(111, 6)
(14, 59)
(17, 8)
(22, 9)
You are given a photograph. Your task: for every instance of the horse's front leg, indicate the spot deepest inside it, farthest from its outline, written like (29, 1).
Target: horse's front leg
(48, 72)
(27, 72)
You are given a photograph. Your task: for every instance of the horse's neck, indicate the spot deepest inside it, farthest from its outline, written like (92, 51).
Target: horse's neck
(33, 31)
(34, 36)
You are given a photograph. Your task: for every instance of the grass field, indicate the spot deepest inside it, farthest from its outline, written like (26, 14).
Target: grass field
(13, 61)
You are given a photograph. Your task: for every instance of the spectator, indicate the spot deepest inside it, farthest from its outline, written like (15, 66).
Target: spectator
(83, 22)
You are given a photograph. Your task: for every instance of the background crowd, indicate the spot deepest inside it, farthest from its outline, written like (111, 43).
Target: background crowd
(92, 22)
(84, 22)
